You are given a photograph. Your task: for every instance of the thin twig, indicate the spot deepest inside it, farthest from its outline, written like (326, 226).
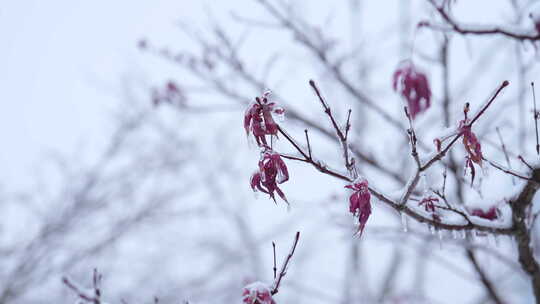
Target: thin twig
(506, 170)
(348, 124)
(444, 181)
(275, 268)
(535, 119)
(308, 144)
(283, 271)
(503, 147)
(349, 163)
(83, 295)
(525, 162)
(443, 152)
(412, 137)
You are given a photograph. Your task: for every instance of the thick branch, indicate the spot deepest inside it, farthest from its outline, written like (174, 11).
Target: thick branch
(522, 232)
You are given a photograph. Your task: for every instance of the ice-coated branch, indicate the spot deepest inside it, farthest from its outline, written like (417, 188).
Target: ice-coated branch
(522, 160)
(321, 167)
(412, 136)
(522, 232)
(307, 142)
(413, 181)
(274, 268)
(506, 170)
(342, 136)
(443, 152)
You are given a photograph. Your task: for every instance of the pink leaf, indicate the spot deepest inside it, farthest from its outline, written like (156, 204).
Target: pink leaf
(429, 203)
(414, 87)
(272, 171)
(259, 120)
(472, 147)
(359, 202)
(257, 293)
(471, 143)
(491, 214)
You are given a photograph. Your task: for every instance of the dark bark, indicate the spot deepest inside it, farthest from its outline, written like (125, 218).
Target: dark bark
(522, 232)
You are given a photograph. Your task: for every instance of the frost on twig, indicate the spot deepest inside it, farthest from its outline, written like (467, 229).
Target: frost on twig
(88, 295)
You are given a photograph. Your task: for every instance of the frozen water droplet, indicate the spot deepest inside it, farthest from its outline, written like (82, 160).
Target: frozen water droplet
(485, 171)
(404, 222)
(513, 242)
(528, 222)
(480, 236)
(496, 240)
(463, 234)
(440, 233)
(424, 183)
(474, 235)
(454, 234)
(431, 229)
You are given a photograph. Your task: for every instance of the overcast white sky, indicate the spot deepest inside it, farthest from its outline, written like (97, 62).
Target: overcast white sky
(58, 61)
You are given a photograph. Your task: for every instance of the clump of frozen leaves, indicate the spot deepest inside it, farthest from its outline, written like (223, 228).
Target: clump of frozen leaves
(359, 201)
(471, 144)
(491, 214)
(430, 205)
(259, 120)
(413, 85)
(257, 293)
(272, 171)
